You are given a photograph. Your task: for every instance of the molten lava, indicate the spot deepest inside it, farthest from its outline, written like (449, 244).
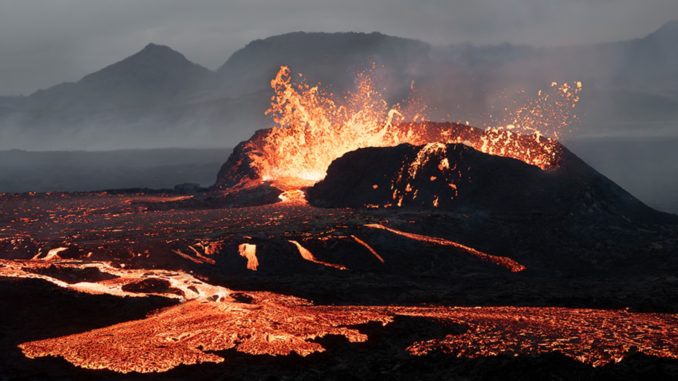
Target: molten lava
(506, 262)
(213, 318)
(312, 128)
(249, 251)
(101, 246)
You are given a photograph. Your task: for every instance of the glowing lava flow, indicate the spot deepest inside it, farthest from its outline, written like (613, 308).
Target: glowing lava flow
(214, 318)
(582, 334)
(187, 334)
(293, 196)
(307, 255)
(249, 251)
(368, 247)
(497, 260)
(52, 254)
(311, 129)
(180, 285)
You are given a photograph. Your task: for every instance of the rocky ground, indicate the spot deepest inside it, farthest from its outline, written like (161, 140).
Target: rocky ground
(616, 266)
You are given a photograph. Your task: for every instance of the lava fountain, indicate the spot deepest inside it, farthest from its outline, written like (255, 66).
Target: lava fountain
(312, 128)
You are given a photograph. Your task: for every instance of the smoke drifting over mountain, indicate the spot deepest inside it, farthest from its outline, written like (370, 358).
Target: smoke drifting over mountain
(45, 43)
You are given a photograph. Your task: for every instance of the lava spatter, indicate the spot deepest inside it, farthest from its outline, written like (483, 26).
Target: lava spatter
(312, 128)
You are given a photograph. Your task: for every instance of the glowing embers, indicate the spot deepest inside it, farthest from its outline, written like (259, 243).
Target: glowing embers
(404, 186)
(530, 132)
(249, 251)
(307, 255)
(506, 262)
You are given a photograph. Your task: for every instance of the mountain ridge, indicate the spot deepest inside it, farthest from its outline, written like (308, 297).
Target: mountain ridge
(665, 31)
(157, 97)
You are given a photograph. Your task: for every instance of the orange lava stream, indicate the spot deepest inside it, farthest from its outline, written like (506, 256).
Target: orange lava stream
(293, 196)
(497, 260)
(307, 255)
(273, 324)
(368, 247)
(249, 251)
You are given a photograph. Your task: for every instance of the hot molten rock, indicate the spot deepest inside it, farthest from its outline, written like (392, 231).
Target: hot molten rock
(312, 129)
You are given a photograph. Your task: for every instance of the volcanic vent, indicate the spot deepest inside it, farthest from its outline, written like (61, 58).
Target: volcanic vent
(361, 152)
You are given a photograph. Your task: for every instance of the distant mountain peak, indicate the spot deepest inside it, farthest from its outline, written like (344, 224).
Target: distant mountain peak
(289, 48)
(673, 25)
(668, 30)
(152, 45)
(157, 52)
(152, 61)
(152, 75)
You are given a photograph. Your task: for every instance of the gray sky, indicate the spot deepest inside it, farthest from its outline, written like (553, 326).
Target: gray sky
(45, 42)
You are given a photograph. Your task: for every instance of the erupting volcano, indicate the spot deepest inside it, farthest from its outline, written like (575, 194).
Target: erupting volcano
(312, 129)
(356, 230)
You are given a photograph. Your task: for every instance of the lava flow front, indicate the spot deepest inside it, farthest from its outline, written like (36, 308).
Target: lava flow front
(216, 319)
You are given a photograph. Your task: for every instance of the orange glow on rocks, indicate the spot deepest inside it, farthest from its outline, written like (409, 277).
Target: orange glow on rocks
(402, 187)
(585, 335)
(209, 317)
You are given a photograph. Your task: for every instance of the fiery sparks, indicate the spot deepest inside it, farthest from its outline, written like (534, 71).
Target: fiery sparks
(542, 119)
(313, 128)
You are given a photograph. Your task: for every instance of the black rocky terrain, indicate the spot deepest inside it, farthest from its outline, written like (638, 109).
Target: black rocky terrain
(477, 182)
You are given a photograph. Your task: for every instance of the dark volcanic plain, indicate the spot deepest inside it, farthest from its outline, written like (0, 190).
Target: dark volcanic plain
(625, 265)
(430, 261)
